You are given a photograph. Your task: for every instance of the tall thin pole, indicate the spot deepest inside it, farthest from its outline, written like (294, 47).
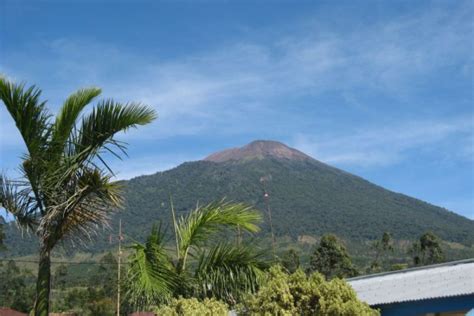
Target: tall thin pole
(175, 226)
(239, 236)
(119, 265)
(266, 198)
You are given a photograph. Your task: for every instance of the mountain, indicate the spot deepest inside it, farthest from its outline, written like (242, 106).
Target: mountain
(257, 150)
(307, 197)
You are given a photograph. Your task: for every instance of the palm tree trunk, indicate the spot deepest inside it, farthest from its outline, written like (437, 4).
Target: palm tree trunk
(43, 283)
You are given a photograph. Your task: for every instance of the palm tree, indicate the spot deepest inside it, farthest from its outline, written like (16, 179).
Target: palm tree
(219, 269)
(66, 188)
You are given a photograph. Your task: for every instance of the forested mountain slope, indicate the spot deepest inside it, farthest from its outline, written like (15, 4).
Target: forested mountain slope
(307, 197)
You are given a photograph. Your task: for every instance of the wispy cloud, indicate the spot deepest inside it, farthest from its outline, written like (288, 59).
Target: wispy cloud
(246, 86)
(203, 92)
(385, 145)
(387, 88)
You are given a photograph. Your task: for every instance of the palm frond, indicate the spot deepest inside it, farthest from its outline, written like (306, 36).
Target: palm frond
(227, 271)
(69, 113)
(108, 118)
(29, 114)
(84, 202)
(197, 227)
(17, 199)
(151, 278)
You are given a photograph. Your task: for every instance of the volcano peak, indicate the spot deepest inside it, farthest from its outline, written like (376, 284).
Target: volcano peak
(258, 149)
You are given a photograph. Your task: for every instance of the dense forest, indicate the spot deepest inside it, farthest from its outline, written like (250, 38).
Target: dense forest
(87, 285)
(324, 220)
(307, 199)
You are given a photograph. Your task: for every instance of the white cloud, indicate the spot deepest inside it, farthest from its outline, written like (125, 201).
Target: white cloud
(385, 145)
(218, 85)
(231, 89)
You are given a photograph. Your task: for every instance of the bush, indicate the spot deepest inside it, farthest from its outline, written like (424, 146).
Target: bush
(296, 294)
(193, 307)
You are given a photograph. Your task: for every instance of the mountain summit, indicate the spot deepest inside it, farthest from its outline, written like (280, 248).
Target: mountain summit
(308, 199)
(258, 150)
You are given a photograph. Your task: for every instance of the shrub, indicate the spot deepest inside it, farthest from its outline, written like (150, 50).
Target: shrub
(297, 294)
(193, 307)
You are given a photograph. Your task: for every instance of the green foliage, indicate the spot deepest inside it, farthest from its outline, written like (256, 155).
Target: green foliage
(106, 275)
(63, 192)
(228, 271)
(195, 229)
(60, 277)
(88, 301)
(427, 250)
(381, 248)
(86, 289)
(306, 198)
(290, 261)
(192, 307)
(151, 276)
(200, 267)
(331, 259)
(298, 294)
(316, 197)
(16, 290)
(399, 266)
(2, 234)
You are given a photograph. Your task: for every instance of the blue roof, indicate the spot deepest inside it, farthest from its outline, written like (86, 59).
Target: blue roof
(435, 281)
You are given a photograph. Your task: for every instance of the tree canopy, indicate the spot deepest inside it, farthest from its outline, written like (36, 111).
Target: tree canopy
(66, 188)
(427, 250)
(331, 258)
(298, 294)
(219, 269)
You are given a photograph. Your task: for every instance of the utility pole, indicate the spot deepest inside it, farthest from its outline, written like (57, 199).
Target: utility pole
(239, 236)
(266, 198)
(119, 261)
(175, 226)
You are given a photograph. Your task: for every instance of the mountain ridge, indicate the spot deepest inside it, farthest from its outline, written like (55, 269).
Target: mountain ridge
(319, 197)
(307, 197)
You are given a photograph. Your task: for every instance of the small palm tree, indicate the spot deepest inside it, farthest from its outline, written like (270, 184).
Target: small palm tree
(219, 269)
(64, 192)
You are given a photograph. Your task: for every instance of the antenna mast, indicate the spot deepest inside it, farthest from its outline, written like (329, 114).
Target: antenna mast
(119, 261)
(266, 198)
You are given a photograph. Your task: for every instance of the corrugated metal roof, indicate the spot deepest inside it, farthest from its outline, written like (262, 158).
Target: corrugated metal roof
(441, 280)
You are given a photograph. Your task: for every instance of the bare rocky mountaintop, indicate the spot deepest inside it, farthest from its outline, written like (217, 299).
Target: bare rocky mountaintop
(258, 149)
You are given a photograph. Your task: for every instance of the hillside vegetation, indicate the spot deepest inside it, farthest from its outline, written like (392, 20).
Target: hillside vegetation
(307, 199)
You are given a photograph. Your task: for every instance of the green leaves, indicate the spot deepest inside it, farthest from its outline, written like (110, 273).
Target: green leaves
(221, 270)
(29, 114)
(69, 113)
(108, 118)
(427, 250)
(227, 271)
(62, 178)
(298, 294)
(85, 203)
(332, 259)
(381, 247)
(65, 192)
(16, 198)
(151, 278)
(200, 224)
(191, 306)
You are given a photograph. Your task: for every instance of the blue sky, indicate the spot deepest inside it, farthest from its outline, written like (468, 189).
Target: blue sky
(382, 89)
